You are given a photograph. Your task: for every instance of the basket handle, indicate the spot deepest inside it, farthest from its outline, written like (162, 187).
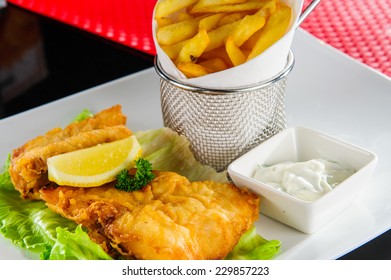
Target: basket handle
(307, 11)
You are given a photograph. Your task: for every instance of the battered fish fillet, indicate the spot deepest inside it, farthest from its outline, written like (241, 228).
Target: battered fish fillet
(171, 218)
(28, 168)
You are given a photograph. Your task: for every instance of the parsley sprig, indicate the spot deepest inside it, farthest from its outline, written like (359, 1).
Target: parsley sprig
(140, 179)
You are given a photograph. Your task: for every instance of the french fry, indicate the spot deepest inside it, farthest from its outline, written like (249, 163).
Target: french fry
(231, 17)
(215, 64)
(201, 4)
(184, 16)
(210, 22)
(193, 48)
(250, 43)
(252, 24)
(218, 36)
(164, 21)
(173, 50)
(269, 8)
(174, 33)
(235, 54)
(273, 30)
(247, 27)
(165, 8)
(192, 70)
(265, 12)
(244, 7)
(220, 53)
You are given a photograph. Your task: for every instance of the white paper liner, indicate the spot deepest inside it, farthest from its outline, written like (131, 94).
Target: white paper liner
(265, 66)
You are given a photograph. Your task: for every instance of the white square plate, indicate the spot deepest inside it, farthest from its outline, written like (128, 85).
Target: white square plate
(327, 91)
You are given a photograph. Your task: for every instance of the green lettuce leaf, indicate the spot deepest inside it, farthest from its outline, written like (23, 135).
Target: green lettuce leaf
(76, 246)
(31, 225)
(5, 179)
(252, 246)
(168, 151)
(85, 114)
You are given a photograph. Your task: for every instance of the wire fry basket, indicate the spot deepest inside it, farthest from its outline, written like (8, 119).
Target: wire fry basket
(223, 124)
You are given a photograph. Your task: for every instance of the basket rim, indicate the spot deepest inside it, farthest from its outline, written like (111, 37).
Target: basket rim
(231, 90)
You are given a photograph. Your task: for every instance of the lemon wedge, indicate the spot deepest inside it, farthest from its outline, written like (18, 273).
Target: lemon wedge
(94, 166)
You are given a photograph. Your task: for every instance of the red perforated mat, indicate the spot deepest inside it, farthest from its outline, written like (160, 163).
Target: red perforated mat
(360, 28)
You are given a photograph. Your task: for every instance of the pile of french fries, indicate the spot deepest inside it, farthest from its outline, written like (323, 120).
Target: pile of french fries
(206, 36)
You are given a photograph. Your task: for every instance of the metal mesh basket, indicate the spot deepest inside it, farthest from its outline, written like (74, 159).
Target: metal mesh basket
(223, 124)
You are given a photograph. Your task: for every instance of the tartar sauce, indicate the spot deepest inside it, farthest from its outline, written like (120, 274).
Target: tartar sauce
(307, 180)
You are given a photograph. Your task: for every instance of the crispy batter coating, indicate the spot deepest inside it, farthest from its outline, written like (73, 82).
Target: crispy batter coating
(171, 218)
(28, 168)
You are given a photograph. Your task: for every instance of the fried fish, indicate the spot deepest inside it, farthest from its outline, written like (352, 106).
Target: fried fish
(28, 167)
(170, 218)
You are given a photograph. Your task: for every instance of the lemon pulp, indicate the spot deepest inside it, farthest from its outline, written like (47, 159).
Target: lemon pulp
(93, 166)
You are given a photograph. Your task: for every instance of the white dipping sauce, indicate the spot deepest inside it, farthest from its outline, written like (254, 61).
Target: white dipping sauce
(307, 180)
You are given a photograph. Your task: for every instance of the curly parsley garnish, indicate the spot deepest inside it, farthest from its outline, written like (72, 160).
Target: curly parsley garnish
(140, 179)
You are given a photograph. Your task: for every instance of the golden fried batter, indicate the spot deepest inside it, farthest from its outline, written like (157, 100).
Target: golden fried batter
(28, 168)
(171, 218)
